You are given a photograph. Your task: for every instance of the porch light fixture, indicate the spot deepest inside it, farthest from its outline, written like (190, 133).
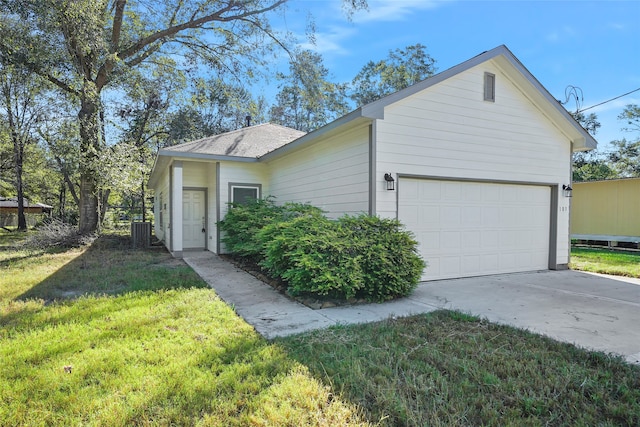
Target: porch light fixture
(391, 183)
(566, 190)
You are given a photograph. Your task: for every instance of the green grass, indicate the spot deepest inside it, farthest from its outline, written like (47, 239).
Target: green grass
(448, 368)
(106, 335)
(110, 336)
(606, 261)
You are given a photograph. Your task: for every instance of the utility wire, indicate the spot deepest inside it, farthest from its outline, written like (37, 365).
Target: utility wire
(609, 100)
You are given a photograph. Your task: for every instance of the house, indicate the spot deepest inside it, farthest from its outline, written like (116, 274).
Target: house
(471, 160)
(33, 211)
(606, 211)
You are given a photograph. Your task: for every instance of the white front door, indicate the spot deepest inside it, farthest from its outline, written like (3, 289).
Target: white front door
(193, 219)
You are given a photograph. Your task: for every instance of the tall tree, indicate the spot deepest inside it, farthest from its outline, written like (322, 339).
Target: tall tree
(401, 68)
(84, 46)
(307, 99)
(21, 110)
(626, 157)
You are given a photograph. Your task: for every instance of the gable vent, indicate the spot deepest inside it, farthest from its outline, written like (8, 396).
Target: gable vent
(489, 87)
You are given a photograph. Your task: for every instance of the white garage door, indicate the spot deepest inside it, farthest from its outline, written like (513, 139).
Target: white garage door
(472, 228)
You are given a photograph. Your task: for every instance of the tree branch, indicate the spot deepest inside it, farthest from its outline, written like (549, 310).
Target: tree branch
(196, 23)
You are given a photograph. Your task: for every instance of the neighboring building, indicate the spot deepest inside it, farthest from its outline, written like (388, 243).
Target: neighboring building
(606, 211)
(478, 155)
(34, 212)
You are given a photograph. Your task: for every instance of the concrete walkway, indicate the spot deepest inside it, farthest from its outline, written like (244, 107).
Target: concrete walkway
(592, 311)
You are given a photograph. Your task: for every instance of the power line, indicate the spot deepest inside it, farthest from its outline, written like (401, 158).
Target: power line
(609, 100)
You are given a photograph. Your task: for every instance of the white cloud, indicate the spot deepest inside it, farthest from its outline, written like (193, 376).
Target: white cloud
(562, 34)
(330, 41)
(617, 26)
(394, 10)
(616, 105)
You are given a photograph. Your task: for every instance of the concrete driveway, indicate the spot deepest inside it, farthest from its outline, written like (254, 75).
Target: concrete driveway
(591, 311)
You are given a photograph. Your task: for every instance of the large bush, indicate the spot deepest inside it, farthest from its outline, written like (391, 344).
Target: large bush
(244, 221)
(390, 264)
(313, 256)
(355, 256)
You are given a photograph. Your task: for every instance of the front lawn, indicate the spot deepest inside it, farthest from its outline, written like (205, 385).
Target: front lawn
(106, 335)
(605, 261)
(447, 368)
(110, 336)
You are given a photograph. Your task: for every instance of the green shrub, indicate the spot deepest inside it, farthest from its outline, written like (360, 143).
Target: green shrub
(355, 256)
(311, 253)
(243, 222)
(388, 256)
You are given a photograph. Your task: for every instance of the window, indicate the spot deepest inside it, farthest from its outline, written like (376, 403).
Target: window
(489, 87)
(160, 210)
(242, 193)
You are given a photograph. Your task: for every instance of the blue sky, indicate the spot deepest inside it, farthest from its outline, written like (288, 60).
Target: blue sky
(594, 45)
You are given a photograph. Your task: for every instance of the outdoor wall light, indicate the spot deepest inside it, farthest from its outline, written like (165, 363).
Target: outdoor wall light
(391, 183)
(566, 190)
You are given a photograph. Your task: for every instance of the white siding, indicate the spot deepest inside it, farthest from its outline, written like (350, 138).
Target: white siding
(195, 174)
(449, 131)
(332, 174)
(161, 230)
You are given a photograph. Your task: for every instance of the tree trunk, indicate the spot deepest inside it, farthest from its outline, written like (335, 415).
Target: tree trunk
(90, 146)
(19, 154)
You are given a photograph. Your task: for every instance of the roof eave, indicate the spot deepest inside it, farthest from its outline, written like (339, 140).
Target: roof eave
(164, 157)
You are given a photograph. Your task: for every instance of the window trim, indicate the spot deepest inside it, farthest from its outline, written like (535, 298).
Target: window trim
(489, 83)
(234, 185)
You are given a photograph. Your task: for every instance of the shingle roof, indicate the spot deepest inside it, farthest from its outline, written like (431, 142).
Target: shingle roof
(254, 141)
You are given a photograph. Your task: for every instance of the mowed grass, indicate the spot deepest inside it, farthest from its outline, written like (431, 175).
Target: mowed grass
(106, 335)
(447, 368)
(110, 336)
(605, 261)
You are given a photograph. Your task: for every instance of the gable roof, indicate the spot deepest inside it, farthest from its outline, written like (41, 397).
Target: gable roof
(252, 141)
(510, 65)
(267, 141)
(519, 74)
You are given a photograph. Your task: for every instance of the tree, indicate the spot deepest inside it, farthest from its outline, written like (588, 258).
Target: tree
(626, 157)
(589, 165)
(85, 46)
(631, 115)
(402, 68)
(589, 122)
(307, 99)
(592, 166)
(21, 110)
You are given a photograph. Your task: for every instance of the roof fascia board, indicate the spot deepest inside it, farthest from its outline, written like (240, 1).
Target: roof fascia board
(202, 156)
(166, 157)
(584, 140)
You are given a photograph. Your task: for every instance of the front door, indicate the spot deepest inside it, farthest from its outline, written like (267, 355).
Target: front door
(194, 223)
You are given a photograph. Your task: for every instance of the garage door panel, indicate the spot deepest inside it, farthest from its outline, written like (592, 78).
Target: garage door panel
(471, 228)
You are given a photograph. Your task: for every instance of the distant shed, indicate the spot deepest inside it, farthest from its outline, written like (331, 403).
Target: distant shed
(9, 211)
(606, 211)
